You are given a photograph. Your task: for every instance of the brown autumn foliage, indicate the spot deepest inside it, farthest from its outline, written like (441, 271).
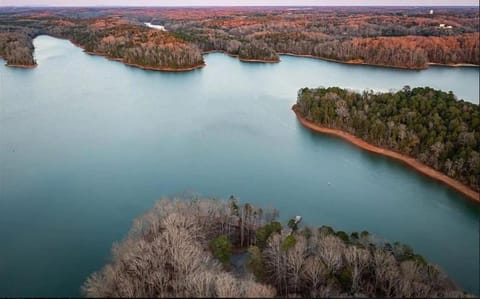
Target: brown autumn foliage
(120, 39)
(416, 51)
(396, 37)
(406, 38)
(113, 37)
(16, 48)
(166, 254)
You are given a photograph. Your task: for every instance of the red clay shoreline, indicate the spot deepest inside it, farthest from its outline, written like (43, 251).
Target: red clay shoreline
(380, 65)
(241, 59)
(454, 65)
(22, 66)
(151, 68)
(413, 163)
(355, 62)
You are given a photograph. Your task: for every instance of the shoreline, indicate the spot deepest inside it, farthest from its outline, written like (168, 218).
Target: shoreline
(22, 66)
(241, 59)
(355, 62)
(258, 60)
(381, 65)
(454, 65)
(144, 67)
(343, 61)
(198, 66)
(411, 162)
(151, 68)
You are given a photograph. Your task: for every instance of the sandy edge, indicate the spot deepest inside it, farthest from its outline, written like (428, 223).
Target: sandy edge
(23, 66)
(355, 62)
(413, 163)
(144, 67)
(241, 59)
(380, 65)
(454, 65)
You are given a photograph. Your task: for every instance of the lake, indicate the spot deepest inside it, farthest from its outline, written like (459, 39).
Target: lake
(88, 144)
(158, 27)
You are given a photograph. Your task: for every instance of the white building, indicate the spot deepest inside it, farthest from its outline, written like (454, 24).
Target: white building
(443, 26)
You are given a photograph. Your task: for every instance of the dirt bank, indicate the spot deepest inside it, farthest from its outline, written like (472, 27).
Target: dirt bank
(460, 187)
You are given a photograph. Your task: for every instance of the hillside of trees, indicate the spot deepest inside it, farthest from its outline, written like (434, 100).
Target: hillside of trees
(131, 43)
(183, 248)
(406, 52)
(429, 125)
(16, 47)
(399, 38)
(396, 37)
(113, 37)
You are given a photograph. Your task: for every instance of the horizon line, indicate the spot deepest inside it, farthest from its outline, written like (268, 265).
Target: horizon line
(360, 5)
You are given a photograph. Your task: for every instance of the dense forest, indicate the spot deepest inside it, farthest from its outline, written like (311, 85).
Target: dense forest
(184, 248)
(397, 37)
(133, 44)
(113, 37)
(16, 47)
(405, 38)
(430, 125)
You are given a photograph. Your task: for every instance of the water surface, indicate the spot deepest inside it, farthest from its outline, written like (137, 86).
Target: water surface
(87, 144)
(158, 27)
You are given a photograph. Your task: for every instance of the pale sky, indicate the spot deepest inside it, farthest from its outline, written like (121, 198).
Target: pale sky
(236, 2)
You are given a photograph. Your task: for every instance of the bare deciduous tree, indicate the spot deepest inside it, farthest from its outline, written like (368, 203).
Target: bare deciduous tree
(359, 260)
(330, 249)
(166, 254)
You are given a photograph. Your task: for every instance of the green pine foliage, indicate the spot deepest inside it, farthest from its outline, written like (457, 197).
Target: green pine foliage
(222, 249)
(428, 124)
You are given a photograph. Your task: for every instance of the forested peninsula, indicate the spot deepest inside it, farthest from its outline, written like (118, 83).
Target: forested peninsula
(186, 247)
(419, 126)
(409, 38)
(112, 37)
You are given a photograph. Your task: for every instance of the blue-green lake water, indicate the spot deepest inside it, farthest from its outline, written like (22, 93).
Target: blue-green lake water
(88, 144)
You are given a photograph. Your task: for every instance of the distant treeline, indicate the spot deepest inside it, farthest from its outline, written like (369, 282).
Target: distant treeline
(112, 37)
(407, 38)
(183, 248)
(430, 125)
